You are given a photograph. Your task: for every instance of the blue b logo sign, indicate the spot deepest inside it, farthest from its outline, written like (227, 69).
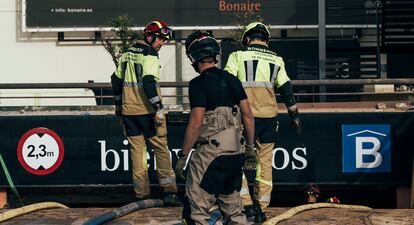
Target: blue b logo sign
(366, 148)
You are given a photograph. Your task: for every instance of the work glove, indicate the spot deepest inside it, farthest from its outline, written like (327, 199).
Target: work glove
(294, 115)
(297, 124)
(179, 167)
(250, 157)
(159, 116)
(118, 110)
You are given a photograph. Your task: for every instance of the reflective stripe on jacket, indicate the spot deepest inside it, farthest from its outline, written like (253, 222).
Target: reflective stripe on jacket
(139, 61)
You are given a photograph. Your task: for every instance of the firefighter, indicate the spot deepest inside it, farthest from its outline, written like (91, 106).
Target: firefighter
(218, 106)
(138, 100)
(260, 70)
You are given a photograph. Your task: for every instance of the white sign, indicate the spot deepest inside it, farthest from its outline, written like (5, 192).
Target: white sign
(40, 151)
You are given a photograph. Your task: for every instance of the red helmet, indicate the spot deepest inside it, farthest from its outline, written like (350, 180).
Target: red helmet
(159, 28)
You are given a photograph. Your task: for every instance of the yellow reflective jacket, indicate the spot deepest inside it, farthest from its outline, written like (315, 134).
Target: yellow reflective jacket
(139, 61)
(260, 70)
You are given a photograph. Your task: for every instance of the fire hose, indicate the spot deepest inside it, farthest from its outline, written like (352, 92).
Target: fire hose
(10, 180)
(29, 208)
(111, 215)
(293, 211)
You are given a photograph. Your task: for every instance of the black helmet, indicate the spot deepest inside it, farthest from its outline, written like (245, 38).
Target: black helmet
(200, 45)
(255, 27)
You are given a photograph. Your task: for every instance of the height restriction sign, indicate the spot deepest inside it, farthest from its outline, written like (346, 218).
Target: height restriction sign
(40, 151)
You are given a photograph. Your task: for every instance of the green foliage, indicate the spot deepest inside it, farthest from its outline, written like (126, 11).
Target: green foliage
(120, 38)
(242, 19)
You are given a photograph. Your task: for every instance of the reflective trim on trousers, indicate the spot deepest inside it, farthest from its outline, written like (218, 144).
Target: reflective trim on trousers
(265, 182)
(167, 180)
(258, 172)
(244, 191)
(265, 198)
(136, 184)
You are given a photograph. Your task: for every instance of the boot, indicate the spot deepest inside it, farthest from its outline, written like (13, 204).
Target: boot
(215, 216)
(172, 200)
(142, 198)
(256, 212)
(249, 211)
(260, 216)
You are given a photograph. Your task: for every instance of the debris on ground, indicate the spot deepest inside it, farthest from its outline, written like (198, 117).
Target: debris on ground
(381, 106)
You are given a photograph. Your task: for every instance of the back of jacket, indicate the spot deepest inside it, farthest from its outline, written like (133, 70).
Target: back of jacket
(260, 70)
(139, 61)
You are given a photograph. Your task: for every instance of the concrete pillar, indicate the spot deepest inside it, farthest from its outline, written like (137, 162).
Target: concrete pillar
(412, 187)
(179, 67)
(322, 47)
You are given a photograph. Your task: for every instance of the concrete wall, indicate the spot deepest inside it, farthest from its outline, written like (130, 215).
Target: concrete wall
(38, 57)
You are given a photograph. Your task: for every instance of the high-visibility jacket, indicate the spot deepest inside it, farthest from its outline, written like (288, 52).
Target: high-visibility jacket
(260, 70)
(139, 61)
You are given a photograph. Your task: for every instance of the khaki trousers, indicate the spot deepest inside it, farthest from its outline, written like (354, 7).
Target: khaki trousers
(264, 180)
(164, 171)
(204, 188)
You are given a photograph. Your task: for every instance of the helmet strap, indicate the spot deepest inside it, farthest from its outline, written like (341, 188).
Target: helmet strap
(248, 40)
(195, 66)
(153, 37)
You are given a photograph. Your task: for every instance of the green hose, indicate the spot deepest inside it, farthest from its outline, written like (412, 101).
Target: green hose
(9, 180)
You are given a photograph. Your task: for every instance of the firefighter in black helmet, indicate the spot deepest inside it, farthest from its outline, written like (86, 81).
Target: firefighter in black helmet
(218, 106)
(261, 70)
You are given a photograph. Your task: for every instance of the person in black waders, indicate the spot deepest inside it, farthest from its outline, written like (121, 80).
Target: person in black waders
(218, 106)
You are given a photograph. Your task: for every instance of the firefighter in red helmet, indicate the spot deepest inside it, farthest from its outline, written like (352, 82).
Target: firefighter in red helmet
(157, 29)
(138, 100)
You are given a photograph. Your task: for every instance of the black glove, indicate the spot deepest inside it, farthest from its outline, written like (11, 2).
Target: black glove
(294, 115)
(297, 124)
(179, 167)
(118, 110)
(250, 157)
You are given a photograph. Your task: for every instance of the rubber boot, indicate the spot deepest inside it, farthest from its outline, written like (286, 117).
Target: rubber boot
(260, 216)
(172, 200)
(249, 211)
(215, 216)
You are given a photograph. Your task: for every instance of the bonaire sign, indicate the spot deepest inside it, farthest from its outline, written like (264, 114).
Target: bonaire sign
(83, 15)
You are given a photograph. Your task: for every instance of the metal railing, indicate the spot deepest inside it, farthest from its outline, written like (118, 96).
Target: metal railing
(102, 91)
